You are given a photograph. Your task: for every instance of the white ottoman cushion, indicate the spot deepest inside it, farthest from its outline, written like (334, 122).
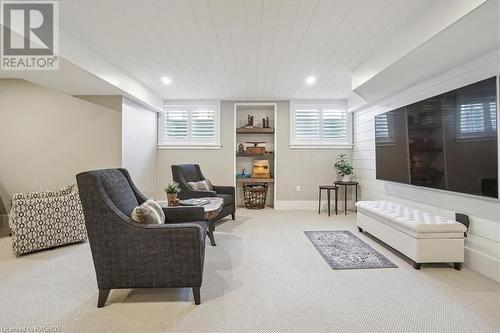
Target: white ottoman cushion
(413, 222)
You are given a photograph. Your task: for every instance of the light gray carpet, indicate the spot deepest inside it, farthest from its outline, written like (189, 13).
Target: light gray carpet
(342, 250)
(263, 275)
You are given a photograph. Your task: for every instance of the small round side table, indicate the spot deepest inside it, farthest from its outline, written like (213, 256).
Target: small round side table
(346, 184)
(328, 188)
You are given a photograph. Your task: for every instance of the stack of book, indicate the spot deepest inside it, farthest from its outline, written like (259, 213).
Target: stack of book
(194, 202)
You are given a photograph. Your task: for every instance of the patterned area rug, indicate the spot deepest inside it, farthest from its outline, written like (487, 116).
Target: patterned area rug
(342, 250)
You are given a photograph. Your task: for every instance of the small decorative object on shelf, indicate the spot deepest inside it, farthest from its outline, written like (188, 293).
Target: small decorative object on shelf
(241, 149)
(261, 169)
(265, 122)
(243, 174)
(249, 121)
(344, 168)
(172, 190)
(256, 149)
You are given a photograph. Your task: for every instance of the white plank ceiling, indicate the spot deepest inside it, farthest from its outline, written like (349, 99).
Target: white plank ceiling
(238, 49)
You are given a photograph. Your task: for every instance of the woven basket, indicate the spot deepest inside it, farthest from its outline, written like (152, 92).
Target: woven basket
(255, 196)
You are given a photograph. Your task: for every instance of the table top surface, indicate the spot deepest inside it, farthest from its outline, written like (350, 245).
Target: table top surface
(339, 182)
(214, 204)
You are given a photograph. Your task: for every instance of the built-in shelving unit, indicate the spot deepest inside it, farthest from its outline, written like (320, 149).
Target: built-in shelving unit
(257, 133)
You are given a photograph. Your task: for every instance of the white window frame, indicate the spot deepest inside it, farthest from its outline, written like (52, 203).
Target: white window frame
(189, 143)
(296, 143)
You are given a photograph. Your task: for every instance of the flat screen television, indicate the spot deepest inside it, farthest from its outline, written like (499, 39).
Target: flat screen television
(446, 142)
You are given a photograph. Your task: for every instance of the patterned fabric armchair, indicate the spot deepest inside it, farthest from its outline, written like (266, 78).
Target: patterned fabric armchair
(129, 255)
(41, 220)
(185, 173)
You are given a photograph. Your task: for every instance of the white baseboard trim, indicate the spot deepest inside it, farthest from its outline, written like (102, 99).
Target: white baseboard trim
(310, 205)
(482, 263)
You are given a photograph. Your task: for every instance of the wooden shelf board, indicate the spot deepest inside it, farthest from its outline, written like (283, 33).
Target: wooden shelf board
(254, 180)
(256, 130)
(255, 155)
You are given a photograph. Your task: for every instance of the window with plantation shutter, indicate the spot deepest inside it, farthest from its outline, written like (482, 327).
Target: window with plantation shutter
(176, 125)
(189, 125)
(319, 125)
(334, 124)
(307, 124)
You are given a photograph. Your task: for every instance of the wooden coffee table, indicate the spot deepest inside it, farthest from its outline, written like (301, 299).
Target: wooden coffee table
(212, 209)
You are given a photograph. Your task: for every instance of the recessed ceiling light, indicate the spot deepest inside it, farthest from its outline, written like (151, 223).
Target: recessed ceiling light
(166, 80)
(310, 80)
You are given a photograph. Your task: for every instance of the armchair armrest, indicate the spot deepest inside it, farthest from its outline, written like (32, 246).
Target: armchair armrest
(199, 194)
(183, 214)
(224, 189)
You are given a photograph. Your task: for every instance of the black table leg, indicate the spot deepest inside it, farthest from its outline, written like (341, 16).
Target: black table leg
(336, 200)
(319, 205)
(328, 195)
(210, 232)
(345, 199)
(356, 199)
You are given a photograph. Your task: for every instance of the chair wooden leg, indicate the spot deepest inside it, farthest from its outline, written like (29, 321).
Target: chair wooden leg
(233, 216)
(196, 294)
(103, 296)
(210, 232)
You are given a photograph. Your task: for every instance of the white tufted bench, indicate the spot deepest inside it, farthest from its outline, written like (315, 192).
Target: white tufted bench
(421, 236)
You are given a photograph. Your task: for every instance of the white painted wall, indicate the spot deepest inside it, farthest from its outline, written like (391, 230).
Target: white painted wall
(139, 126)
(307, 168)
(47, 137)
(483, 243)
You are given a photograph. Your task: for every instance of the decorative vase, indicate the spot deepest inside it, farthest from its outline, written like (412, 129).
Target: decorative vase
(346, 178)
(171, 197)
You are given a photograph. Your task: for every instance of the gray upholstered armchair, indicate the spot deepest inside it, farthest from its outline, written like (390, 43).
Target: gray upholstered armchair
(184, 173)
(127, 254)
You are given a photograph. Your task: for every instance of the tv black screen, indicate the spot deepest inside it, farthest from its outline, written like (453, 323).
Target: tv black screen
(446, 142)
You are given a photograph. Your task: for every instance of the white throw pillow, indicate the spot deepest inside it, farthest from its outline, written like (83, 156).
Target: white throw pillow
(202, 185)
(150, 212)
